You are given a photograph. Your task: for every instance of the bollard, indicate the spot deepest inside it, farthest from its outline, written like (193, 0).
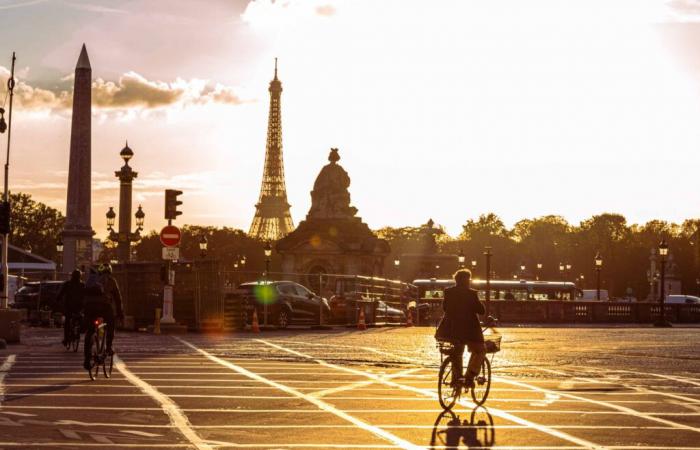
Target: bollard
(361, 325)
(156, 323)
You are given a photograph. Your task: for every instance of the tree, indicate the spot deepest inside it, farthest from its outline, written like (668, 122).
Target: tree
(34, 225)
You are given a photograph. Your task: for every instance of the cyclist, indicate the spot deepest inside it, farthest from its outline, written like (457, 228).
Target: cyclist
(71, 295)
(102, 298)
(462, 307)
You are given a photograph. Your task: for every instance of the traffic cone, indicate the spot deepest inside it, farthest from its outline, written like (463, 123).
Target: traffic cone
(255, 328)
(409, 318)
(361, 325)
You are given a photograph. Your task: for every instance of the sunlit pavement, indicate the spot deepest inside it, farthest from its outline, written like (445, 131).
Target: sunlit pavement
(554, 388)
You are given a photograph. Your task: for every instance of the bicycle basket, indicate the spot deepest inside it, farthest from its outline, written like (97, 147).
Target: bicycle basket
(492, 343)
(445, 347)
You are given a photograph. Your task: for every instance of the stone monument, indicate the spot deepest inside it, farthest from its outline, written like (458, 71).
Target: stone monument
(77, 231)
(332, 239)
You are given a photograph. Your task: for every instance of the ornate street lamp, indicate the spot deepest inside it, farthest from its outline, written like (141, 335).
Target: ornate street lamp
(663, 253)
(561, 271)
(203, 244)
(140, 218)
(522, 270)
(124, 237)
(59, 252)
(487, 254)
(461, 258)
(473, 265)
(268, 254)
(111, 216)
(539, 270)
(598, 266)
(397, 267)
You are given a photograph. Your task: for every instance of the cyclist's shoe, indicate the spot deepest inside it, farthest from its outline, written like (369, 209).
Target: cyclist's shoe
(468, 382)
(86, 365)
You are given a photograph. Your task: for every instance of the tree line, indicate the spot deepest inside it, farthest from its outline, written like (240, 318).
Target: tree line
(549, 240)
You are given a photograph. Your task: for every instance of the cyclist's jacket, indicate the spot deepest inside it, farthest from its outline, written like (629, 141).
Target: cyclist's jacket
(71, 296)
(462, 307)
(103, 289)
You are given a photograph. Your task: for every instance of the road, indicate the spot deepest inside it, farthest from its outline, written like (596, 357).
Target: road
(553, 388)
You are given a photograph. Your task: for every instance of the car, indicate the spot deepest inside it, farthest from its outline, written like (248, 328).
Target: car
(683, 299)
(388, 314)
(288, 303)
(591, 295)
(39, 295)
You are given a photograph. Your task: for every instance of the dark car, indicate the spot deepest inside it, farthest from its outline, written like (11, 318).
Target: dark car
(288, 303)
(39, 295)
(388, 314)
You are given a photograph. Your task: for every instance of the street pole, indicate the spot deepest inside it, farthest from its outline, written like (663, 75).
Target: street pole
(597, 288)
(6, 236)
(663, 252)
(488, 255)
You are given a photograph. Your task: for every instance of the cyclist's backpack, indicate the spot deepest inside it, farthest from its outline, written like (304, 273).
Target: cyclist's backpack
(93, 285)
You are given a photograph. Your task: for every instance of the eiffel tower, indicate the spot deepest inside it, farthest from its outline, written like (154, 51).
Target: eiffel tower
(272, 219)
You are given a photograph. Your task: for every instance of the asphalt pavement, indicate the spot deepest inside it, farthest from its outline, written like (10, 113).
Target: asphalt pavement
(553, 388)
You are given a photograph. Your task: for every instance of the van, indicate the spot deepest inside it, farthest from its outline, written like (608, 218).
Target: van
(683, 299)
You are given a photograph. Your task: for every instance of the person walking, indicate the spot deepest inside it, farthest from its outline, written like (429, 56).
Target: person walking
(71, 296)
(462, 309)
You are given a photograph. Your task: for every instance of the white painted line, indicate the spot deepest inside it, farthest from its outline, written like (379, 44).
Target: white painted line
(177, 417)
(315, 401)
(610, 405)
(4, 369)
(494, 411)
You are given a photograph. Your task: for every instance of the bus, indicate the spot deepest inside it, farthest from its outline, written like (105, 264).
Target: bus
(431, 293)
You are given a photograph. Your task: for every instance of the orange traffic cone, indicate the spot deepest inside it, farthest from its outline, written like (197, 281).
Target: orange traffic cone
(255, 327)
(361, 325)
(409, 318)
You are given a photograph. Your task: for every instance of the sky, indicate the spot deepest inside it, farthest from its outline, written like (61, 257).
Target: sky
(441, 109)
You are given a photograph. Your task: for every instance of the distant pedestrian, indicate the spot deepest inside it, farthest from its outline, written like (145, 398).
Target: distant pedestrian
(71, 296)
(462, 309)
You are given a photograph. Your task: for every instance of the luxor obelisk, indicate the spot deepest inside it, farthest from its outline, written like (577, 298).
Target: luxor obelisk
(77, 231)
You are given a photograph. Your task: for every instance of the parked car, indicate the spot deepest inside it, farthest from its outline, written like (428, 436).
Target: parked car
(683, 299)
(288, 303)
(388, 314)
(590, 295)
(39, 295)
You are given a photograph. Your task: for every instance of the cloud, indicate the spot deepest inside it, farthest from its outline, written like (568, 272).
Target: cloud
(130, 91)
(325, 10)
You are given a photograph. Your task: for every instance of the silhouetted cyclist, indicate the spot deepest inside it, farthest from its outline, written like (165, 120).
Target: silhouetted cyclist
(71, 296)
(102, 298)
(462, 307)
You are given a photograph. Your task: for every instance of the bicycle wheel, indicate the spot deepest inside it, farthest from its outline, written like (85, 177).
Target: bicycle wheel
(107, 366)
(447, 394)
(482, 383)
(94, 358)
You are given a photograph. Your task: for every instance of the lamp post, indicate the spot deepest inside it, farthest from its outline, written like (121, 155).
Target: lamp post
(488, 254)
(561, 271)
(568, 271)
(598, 266)
(522, 270)
(461, 259)
(663, 253)
(124, 237)
(268, 254)
(580, 279)
(203, 245)
(397, 267)
(539, 270)
(473, 265)
(59, 252)
(6, 193)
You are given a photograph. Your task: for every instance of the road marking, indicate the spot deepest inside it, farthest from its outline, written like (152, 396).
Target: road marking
(177, 417)
(315, 401)
(623, 409)
(4, 369)
(687, 380)
(496, 412)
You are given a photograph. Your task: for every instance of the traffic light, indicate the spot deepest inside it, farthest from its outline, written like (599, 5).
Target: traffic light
(4, 217)
(171, 204)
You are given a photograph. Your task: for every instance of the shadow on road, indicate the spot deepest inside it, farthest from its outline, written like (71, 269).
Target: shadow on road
(452, 432)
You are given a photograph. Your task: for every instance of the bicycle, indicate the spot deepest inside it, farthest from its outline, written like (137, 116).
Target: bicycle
(449, 393)
(73, 341)
(99, 357)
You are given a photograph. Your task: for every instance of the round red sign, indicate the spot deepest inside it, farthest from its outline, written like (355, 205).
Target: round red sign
(170, 236)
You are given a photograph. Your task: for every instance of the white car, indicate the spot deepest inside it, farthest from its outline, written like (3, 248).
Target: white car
(590, 295)
(683, 299)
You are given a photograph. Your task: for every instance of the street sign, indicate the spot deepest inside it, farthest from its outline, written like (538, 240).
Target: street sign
(171, 253)
(170, 236)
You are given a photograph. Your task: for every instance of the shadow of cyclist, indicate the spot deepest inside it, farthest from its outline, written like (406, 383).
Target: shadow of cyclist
(452, 432)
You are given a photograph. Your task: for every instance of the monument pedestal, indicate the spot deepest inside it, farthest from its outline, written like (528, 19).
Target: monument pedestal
(9, 325)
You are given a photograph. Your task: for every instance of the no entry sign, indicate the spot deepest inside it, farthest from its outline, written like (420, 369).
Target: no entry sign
(170, 236)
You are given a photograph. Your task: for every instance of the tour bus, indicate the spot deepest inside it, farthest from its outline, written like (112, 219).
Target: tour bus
(381, 300)
(431, 293)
